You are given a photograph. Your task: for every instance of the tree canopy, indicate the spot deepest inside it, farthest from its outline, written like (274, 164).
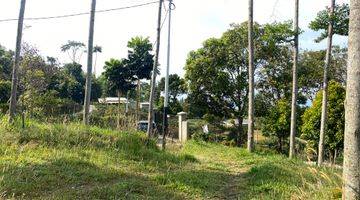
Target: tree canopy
(340, 21)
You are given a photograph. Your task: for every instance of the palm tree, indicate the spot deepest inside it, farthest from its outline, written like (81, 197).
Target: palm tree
(295, 82)
(97, 49)
(351, 180)
(72, 48)
(325, 87)
(250, 142)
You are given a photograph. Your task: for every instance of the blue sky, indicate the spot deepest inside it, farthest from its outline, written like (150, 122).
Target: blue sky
(193, 22)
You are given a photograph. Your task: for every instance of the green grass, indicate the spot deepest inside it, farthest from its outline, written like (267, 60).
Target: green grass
(74, 162)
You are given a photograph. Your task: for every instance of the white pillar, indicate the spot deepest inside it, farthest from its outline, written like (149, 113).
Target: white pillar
(183, 127)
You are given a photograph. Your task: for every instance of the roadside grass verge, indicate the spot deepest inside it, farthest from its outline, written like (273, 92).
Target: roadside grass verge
(56, 161)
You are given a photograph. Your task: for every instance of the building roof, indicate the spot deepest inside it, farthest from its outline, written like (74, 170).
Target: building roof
(113, 100)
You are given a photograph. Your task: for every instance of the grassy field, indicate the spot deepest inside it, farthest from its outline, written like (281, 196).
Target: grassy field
(74, 162)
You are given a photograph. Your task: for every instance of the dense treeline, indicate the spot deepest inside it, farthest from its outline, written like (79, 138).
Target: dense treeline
(217, 79)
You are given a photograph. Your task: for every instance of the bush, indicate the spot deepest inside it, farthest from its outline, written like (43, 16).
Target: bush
(5, 91)
(334, 136)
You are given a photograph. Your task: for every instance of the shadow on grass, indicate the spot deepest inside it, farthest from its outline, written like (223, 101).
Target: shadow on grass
(74, 179)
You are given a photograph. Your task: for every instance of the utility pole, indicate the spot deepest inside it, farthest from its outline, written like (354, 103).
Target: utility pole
(166, 100)
(295, 83)
(325, 87)
(89, 64)
(250, 140)
(150, 128)
(12, 106)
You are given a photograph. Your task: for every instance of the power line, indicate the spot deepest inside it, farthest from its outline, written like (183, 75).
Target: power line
(80, 14)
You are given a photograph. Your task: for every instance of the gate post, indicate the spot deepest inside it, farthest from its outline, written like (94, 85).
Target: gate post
(183, 127)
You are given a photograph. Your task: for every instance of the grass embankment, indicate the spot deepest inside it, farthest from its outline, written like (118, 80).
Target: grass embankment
(74, 162)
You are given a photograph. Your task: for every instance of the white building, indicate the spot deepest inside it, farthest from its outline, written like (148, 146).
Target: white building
(113, 100)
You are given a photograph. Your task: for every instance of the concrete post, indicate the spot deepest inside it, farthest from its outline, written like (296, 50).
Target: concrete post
(183, 127)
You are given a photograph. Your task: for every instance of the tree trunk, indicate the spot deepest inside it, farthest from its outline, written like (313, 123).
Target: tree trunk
(138, 96)
(280, 143)
(325, 88)
(331, 157)
(127, 104)
(250, 140)
(89, 64)
(294, 84)
(119, 110)
(351, 173)
(150, 131)
(240, 131)
(96, 55)
(14, 81)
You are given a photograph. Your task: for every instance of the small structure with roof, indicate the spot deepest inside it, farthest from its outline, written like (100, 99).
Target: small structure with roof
(113, 100)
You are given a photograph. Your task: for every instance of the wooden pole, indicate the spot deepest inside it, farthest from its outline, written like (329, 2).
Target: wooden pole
(12, 106)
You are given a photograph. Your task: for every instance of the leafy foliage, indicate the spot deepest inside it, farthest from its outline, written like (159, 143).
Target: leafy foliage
(118, 77)
(5, 89)
(277, 122)
(217, 73)
(311, 69)
(140, 60)
(6, 61)
(334, 135)
(340, 21)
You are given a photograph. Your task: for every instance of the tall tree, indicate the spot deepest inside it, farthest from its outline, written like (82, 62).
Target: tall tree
(119, 78)
(140, 61)
(72, 48)
(295, 82)
(150, 131)
(89, 64)
(250, 140)
(325, 86)
(12, 107)
(351, 179)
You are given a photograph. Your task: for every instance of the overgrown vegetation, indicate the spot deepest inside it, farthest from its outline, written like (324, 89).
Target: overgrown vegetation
(71, 161)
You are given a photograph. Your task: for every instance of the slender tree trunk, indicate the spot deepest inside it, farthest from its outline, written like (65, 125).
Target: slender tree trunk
(325, 89)
(119, 109)
(12, 106)
(127, 104)
(96, 55)
(250, 140)
(295, 84)
(89, 64)
(351, 173)
(150, 131)
(138, 96)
